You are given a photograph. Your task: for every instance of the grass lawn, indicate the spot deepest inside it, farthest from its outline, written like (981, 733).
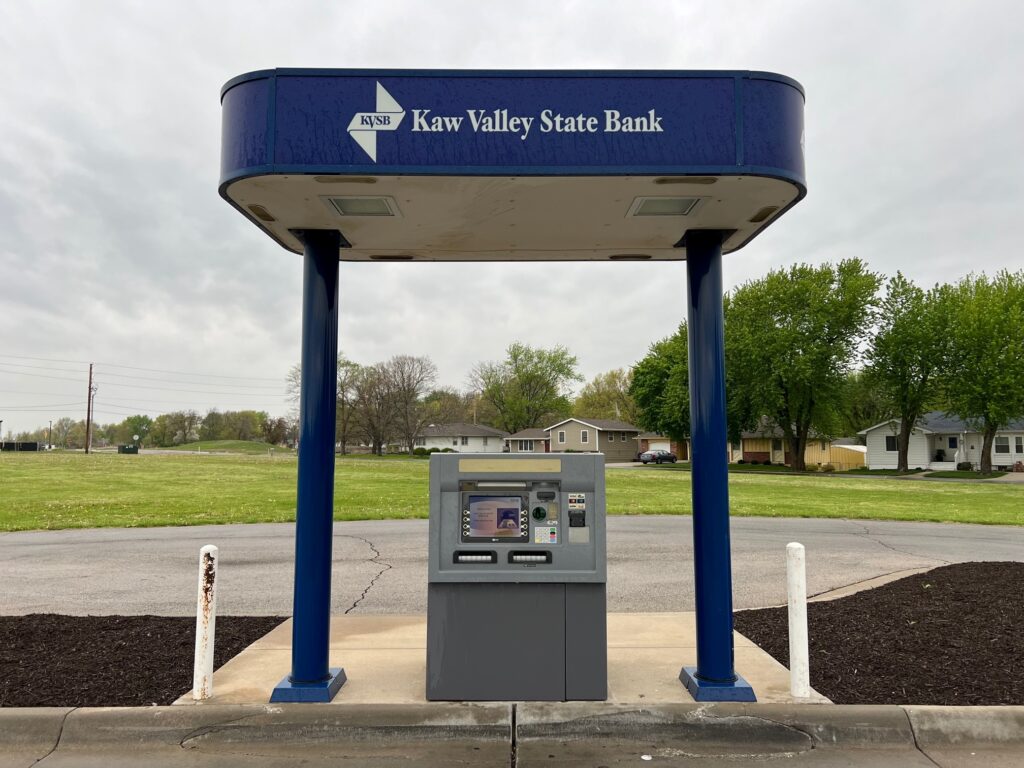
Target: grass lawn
(72, 490)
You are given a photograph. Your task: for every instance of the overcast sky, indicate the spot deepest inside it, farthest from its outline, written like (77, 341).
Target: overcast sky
(116, 248)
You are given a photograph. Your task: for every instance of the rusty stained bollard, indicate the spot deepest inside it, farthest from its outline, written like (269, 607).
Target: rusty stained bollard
(206, 619)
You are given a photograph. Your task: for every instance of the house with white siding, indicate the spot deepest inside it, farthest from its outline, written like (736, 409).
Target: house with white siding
(939, 441)
(461, 438)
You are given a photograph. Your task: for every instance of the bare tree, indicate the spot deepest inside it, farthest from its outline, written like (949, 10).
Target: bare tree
(409, 380)
(346, 407)
(374, 405)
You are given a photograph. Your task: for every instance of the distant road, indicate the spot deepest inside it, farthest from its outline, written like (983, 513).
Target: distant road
(650, 563)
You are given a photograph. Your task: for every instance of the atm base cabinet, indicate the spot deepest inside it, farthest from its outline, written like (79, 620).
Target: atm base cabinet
(517, 642)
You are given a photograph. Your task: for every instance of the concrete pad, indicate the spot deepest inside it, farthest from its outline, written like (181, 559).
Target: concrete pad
(28, 734)
(384, 658)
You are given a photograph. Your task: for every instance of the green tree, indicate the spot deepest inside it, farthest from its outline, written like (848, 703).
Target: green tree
(275, 431)
(908, 352)
(139, 424)
(61, 430)
(660, 387)
(160, 433)
(863, 404)
(984, 378)
(213, 425)
(607, 396)
(791, 337)
(528, 387)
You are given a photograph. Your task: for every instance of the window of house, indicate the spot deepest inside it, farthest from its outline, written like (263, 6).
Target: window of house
(485, 441)
(776, 444)
(952, 443)
(1002, 444)
(622, 436)
(1020, 445)
(455, 441)
(584, 435)
(890, 443)
(526, 445)
(824, 444)
(561, 436)
(421, 441)
(465, 441)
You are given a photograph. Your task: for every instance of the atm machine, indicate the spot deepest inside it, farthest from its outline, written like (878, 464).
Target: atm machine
(516, 606)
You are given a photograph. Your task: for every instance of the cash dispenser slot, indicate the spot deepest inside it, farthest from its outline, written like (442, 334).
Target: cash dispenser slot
(529, 556)
(475, 557)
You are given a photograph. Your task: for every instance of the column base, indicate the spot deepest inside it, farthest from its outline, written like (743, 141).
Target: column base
(706, 690)
(288, 692)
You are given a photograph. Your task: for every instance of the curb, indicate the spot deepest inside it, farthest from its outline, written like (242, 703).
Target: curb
(484, 733)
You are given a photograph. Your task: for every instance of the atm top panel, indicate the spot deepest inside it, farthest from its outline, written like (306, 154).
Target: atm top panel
(505, 165)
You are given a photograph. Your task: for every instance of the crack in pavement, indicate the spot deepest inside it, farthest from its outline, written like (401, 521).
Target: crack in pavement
(375, 559)
(60, 733)
(867, 535)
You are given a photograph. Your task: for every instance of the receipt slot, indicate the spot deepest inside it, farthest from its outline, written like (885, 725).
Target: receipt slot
(516, 605)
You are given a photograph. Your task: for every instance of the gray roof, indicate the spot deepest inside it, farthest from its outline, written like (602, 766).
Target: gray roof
(765, 428)
(530, 434)
(605, 425)
(941, 422)
(459, 429)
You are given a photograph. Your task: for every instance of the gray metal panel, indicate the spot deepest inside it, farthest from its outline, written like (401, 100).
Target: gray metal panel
(571, 561)
(496, 642)
(586, 643)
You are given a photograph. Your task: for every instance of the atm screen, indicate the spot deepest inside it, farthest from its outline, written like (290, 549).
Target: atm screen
(494, 516)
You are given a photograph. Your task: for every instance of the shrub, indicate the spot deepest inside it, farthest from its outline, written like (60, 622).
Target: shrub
(448, 450)
(828, 468)
(965, 466)
(767, 462)
(742, 461)
(420, 451)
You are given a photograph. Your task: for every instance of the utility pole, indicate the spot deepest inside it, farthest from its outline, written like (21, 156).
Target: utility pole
(49, 437)
(88, 413)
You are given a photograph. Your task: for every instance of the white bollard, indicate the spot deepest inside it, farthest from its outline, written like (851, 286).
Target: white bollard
(206, 621)
(799, 662)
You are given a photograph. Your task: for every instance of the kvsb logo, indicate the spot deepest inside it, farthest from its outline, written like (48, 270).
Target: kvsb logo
(365, 125)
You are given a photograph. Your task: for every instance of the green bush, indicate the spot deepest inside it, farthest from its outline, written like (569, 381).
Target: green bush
(828, 468)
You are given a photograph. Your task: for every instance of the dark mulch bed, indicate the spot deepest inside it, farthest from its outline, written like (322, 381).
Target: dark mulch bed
(47, 660)
(951, 636)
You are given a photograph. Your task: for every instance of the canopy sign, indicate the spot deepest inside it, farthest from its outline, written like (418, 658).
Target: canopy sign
(512, 165)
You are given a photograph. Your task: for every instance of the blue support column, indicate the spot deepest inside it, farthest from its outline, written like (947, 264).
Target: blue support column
(714, 678)
(311, 678)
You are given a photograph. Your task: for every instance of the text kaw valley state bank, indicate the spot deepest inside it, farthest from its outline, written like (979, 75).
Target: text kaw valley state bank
(499, 121)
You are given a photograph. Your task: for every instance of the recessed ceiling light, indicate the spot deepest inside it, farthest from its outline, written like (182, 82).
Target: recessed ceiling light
(363, 206)
(763, 214)
(630, 257)
(387, 257)
(261, 213)
(663, 206)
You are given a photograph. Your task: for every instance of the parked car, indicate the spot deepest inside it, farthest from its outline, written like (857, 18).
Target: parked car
(657, 457)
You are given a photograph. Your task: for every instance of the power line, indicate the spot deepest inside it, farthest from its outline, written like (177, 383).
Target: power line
(138, 368)
(232, 392)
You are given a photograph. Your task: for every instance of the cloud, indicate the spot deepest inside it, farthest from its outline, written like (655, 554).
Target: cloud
(115, 246)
